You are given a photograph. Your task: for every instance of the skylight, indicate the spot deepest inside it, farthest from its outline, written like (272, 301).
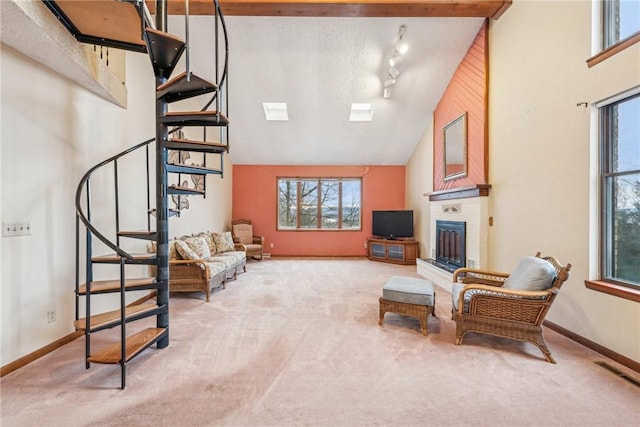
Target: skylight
(361, 113)
(275, 111)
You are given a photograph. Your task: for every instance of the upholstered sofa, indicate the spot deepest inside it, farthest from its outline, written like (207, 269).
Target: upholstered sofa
(205, 261)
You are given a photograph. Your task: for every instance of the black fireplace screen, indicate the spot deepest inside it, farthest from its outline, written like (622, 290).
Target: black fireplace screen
(450, 243)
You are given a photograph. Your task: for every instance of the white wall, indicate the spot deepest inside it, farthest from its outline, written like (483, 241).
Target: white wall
(419, 181)
(542, 157)
(52, 132)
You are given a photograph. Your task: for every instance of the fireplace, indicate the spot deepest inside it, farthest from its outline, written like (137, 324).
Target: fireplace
(450, 244)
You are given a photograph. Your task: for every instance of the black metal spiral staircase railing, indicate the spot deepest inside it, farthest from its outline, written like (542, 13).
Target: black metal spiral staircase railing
(164, 51)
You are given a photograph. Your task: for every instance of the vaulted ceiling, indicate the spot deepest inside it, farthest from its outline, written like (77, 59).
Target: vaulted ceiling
(319, 57)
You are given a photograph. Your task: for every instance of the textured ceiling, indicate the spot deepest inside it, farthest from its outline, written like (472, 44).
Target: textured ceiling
(319, 66)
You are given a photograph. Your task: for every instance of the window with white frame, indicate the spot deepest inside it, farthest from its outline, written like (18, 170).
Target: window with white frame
(319, 203)
(620, 20)
(620, 189)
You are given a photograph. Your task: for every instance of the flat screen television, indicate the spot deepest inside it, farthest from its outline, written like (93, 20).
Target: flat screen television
(393, 224)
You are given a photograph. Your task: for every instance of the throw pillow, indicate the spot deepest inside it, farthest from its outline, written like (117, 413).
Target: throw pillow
(210, 242)
(173, 250)
(173, 253)
(531, 274)
(193, 248)
(224, 241)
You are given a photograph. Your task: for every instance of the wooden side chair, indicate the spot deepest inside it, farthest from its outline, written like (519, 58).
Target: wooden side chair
(508, 305)
(242, 231)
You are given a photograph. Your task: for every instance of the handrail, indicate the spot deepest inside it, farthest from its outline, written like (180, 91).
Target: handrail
(85, 178)
(226, 55)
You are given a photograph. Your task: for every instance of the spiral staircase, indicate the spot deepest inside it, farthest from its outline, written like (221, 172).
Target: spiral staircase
(164, 51)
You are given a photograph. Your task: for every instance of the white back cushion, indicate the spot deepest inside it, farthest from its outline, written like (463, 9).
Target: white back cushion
(531, 274)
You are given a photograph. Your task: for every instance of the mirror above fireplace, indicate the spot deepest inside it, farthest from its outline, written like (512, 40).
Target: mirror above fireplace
(455, 148)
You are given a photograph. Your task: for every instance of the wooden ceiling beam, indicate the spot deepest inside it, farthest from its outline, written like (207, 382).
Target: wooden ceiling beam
(342, 8)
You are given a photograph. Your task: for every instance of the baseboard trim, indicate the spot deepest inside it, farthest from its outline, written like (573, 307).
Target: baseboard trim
(623, 360)
(25, 360)
(28, 358)
(316, 256)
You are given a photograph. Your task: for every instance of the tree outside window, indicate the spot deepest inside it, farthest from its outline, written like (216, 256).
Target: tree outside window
(319, 203)
(620, 180)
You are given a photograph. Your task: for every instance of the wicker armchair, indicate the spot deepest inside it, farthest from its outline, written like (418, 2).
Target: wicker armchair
(242, 232)
(481, 304)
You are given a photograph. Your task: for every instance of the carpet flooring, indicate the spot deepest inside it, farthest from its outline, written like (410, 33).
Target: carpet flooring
(295, 342)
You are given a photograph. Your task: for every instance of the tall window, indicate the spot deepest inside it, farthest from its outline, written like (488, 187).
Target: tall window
(620, 186)
(319, 203)
(621, 19)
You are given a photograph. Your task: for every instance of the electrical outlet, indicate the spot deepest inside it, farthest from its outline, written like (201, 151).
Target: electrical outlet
(272, 246)
(51, 316)
(10, 229)
(365, 244)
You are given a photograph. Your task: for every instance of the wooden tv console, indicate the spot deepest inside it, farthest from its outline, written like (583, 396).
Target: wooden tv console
(395, 251)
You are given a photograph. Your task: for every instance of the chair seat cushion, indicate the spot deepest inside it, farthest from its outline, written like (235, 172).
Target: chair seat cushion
(228, 261)
(215, 268)
(409, 290)
(531, 274)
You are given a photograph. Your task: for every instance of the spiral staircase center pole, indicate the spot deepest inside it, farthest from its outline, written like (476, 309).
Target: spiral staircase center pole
(162, 202)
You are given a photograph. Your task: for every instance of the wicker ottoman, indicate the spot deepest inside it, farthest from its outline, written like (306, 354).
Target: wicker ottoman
(408, 296)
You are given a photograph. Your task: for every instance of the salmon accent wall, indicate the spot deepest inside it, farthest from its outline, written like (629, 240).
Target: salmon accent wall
(467, 91)
(255, 199)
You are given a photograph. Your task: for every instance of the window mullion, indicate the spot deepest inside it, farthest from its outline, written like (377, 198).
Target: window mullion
(298, 205)
(340, 204)
(319, 206)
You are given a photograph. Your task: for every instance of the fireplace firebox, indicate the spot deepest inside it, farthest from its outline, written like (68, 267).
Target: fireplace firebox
(450, 244)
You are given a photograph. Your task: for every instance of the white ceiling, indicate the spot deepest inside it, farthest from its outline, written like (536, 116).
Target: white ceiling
(319, 66)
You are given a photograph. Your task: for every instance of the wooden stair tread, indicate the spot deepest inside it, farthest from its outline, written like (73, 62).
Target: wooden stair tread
(101, 286)
(115, 258)
(164, 50)
(196, 170)
(184, 86)
(138, 234)
(176, 189)
(195, 118)
(164, 35)
(194, 145)
(172, 212)
(103, 320)
(192, 113)
(135, 344)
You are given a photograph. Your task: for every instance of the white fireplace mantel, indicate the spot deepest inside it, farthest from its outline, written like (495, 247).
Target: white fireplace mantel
(467, 204)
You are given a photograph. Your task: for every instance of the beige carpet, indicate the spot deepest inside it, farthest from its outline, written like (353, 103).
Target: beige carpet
(296, 342)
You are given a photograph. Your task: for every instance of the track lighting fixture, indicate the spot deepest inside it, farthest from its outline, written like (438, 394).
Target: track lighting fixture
(399, 50)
